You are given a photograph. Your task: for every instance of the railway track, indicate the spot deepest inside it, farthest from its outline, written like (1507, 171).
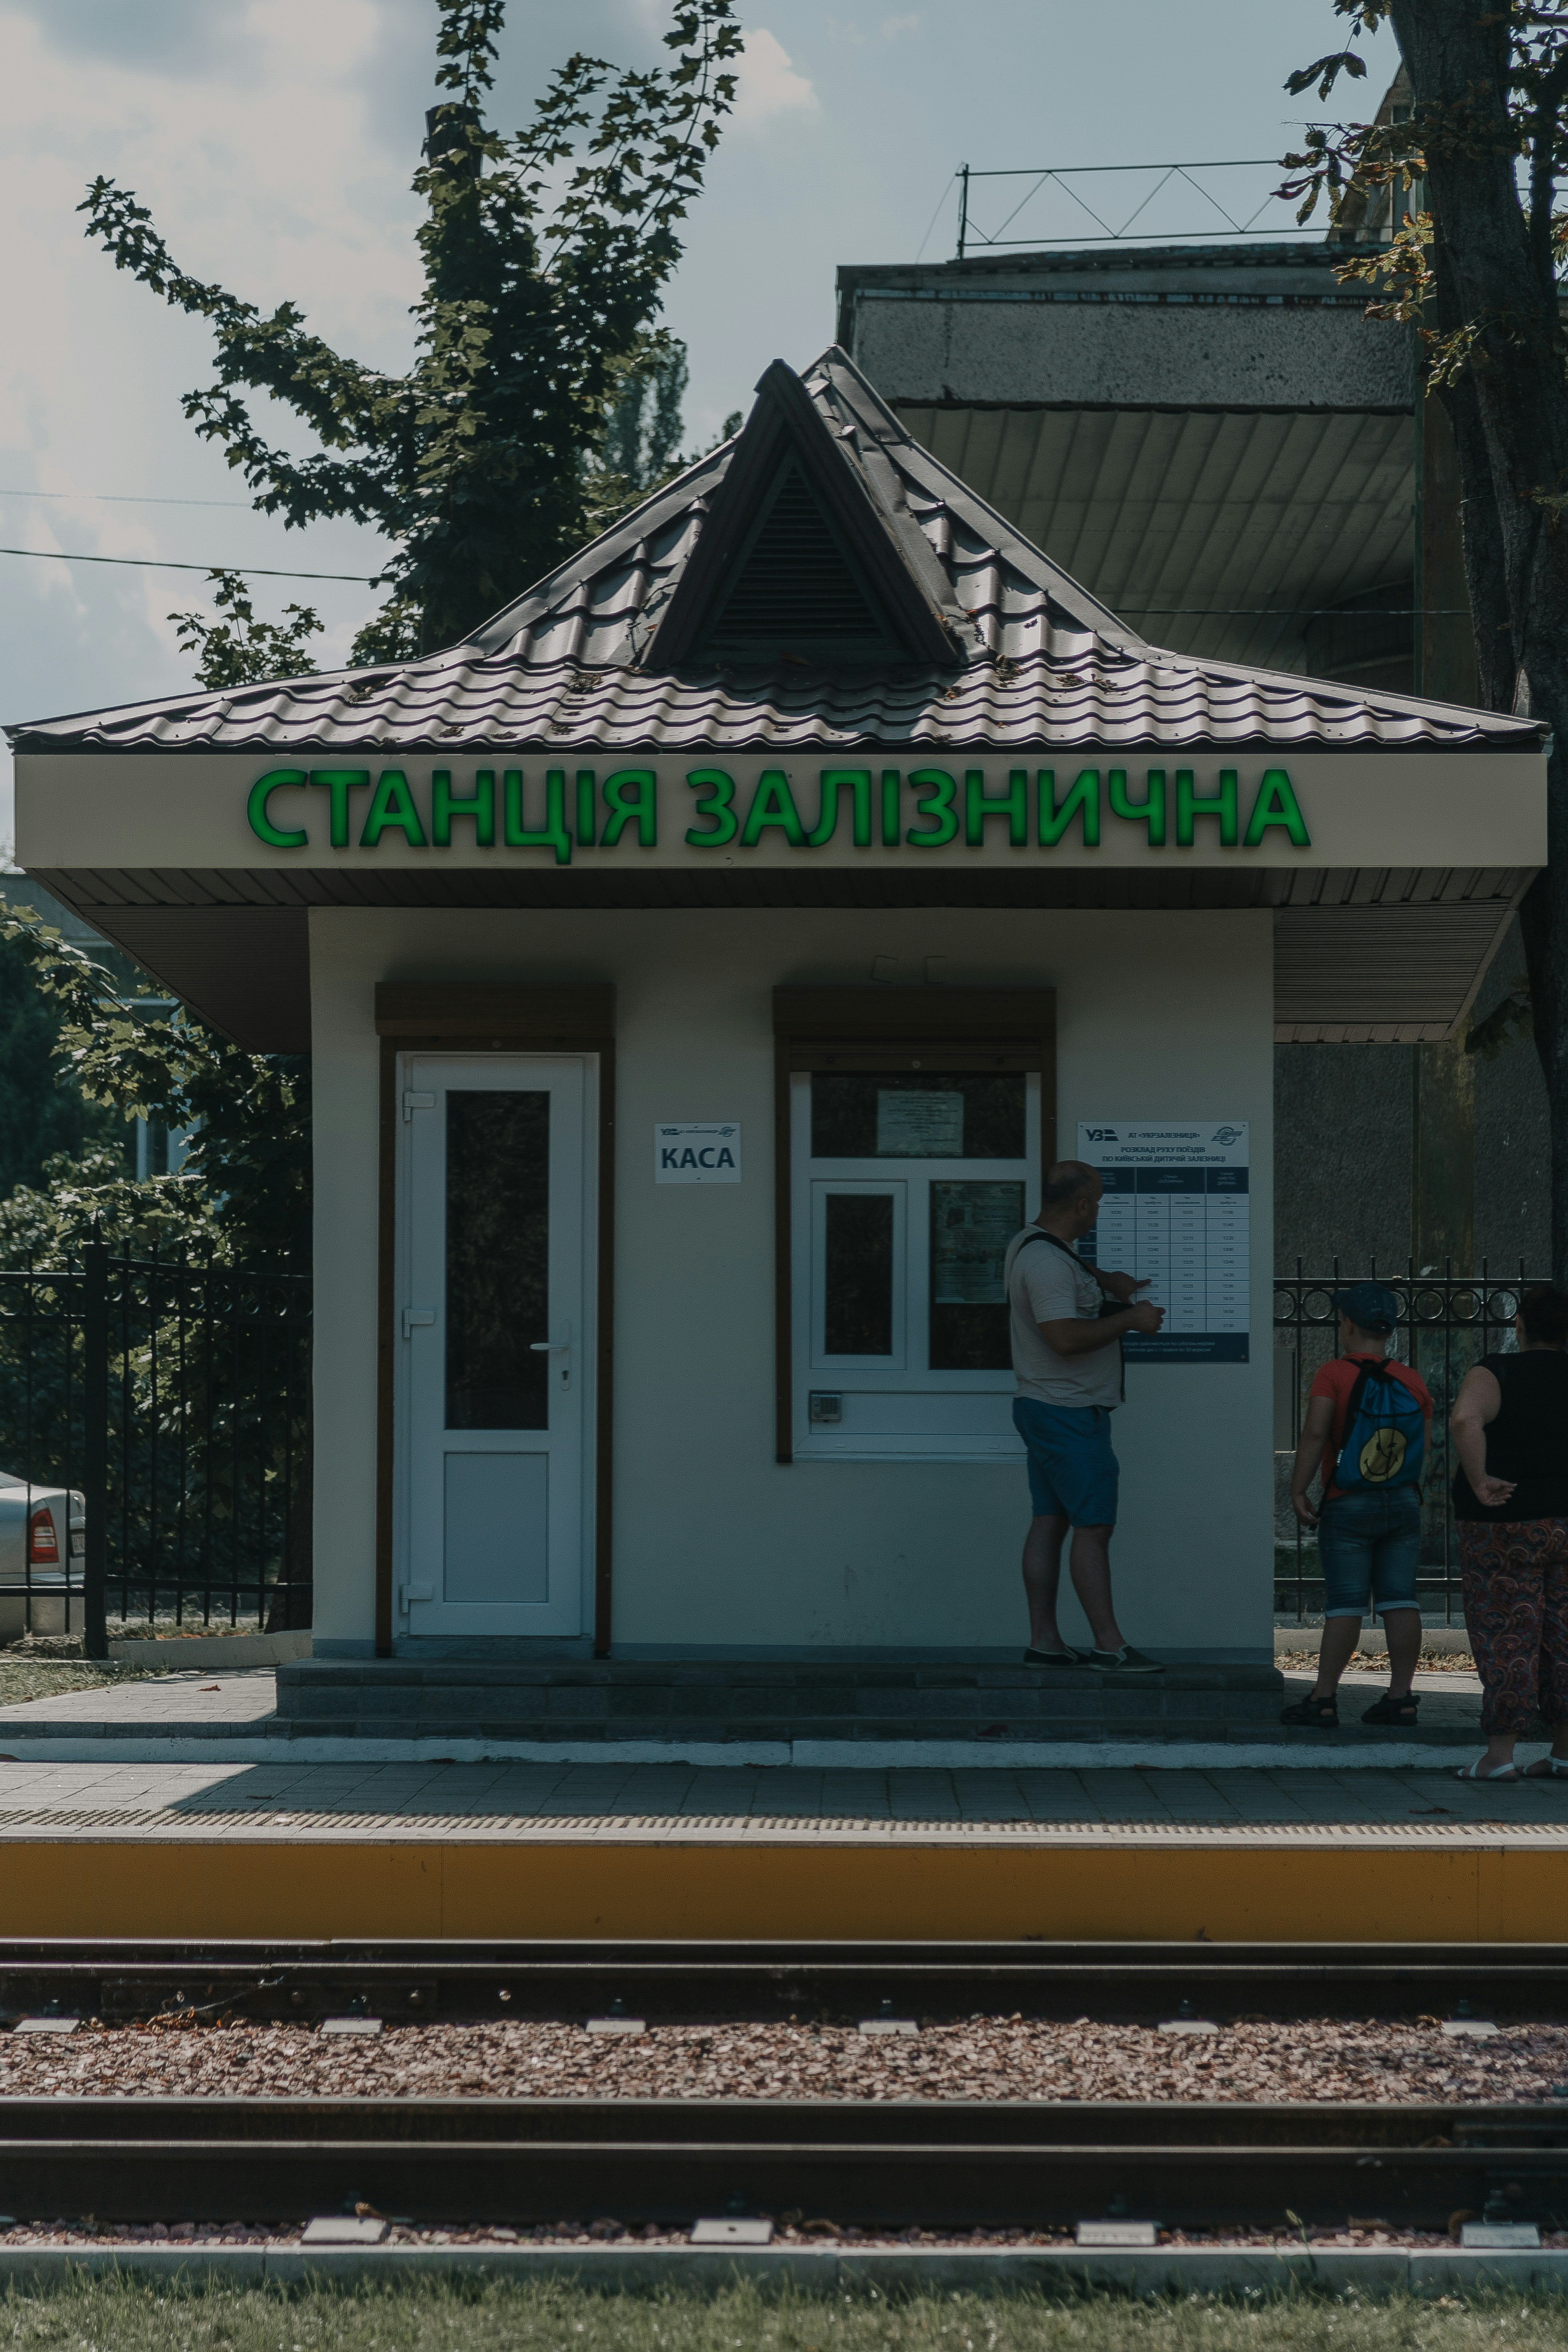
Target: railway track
(686, 1982)
(883, 2166)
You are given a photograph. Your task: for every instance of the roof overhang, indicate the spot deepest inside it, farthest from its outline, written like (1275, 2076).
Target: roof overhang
(1220, 532)
(1390, 889)
(1220, 443)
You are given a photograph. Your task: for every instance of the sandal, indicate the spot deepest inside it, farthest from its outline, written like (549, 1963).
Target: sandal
(1501, 1772)
(1393, 1710)
(1547, 1768)
(1322, 1714)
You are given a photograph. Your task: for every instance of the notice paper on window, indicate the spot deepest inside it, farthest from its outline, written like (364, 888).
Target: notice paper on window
(912, 1125)
(1175, 1214)
(971, 1227)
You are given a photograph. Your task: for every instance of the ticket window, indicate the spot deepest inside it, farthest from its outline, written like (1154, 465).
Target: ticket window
(907, 1186)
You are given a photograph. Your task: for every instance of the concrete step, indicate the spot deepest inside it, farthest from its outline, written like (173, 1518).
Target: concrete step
(992, 1739)
(703, 1700)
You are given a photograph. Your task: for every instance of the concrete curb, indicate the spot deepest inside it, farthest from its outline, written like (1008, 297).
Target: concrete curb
(103, 1746)
(205, 1653)
(1372, 2273)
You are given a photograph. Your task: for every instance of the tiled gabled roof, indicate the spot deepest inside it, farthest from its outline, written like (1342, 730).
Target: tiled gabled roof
(1037, 663)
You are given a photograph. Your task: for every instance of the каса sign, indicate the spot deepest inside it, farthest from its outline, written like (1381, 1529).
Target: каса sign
(888, 809)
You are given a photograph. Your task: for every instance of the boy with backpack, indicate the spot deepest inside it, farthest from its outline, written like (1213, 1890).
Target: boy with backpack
(1365, 1428)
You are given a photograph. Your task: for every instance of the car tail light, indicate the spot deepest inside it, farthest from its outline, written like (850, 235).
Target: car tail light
(43, 1547)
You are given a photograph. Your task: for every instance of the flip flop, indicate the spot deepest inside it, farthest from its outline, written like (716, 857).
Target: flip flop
(1503, 1772)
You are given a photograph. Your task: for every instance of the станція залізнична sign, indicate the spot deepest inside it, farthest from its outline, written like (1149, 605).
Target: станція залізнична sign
(882, 809)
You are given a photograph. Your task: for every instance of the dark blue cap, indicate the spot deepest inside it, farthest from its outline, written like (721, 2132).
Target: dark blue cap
(1368, 1306)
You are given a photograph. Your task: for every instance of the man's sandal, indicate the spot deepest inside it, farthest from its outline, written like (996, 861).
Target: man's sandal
(1322, 1714)
(1393, 1710)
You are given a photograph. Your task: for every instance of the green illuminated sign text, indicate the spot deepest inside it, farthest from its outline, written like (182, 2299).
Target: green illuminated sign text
(929, 808)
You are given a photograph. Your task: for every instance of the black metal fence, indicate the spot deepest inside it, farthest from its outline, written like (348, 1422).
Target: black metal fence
(1447, 1323)
(172, 1404)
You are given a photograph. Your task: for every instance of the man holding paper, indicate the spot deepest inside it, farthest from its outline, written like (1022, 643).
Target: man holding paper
(1067, 1320)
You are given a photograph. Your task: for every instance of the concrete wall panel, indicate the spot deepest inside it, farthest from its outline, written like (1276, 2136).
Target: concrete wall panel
(717, 1546)
(994, 347)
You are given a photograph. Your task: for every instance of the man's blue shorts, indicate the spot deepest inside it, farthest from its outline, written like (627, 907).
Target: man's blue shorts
(1073, 1472)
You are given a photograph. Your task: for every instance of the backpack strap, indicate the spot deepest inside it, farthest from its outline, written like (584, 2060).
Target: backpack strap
(1353, 1405)
(1108, 1305)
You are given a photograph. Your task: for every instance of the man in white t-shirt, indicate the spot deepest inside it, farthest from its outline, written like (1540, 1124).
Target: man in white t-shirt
(1067, 1321)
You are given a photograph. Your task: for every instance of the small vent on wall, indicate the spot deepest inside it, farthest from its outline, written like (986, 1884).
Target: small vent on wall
(796, 590)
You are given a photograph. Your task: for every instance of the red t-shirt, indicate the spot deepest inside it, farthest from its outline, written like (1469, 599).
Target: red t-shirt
(1335, 1381)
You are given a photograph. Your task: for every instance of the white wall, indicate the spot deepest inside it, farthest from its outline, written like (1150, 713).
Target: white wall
(716, 1545)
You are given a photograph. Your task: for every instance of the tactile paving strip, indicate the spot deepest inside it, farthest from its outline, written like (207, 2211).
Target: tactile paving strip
(206, 1821)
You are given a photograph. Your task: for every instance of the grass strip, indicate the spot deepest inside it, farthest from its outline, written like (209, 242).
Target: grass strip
(88, 2314)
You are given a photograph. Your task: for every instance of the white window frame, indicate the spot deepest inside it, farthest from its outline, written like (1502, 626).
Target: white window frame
(948, 1414)
(824, 1189)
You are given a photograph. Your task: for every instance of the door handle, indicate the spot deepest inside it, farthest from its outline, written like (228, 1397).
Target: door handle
(562, 1347)
(417, 1319)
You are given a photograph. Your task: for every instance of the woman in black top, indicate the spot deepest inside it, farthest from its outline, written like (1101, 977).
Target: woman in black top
(1510, 1425)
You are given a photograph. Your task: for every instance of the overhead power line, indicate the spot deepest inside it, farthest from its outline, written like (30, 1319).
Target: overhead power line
(164, 563)
(126, 498)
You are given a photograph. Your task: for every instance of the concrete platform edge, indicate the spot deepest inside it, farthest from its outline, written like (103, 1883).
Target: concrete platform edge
(810, 1755)
(1373, 2273)
(1489, 1887)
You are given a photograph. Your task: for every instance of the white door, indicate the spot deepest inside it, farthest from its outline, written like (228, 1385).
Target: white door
(493, 1317)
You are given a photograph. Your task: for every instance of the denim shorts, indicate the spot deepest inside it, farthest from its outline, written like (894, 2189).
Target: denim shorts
(1073, 1472)
(1369, 1547)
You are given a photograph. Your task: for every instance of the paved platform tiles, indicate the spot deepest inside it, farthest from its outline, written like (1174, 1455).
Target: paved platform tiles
(186, 1716)
(506, 1849)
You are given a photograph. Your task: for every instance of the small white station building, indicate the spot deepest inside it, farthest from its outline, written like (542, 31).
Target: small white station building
(699, 965)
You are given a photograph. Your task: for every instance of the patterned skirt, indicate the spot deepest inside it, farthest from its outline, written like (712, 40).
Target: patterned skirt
(1516, 1607)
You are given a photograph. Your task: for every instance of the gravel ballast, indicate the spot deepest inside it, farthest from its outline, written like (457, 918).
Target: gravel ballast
(978, 2058)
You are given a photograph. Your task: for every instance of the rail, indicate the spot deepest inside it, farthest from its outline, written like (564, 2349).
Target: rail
(1061, 178)
(881, 2164)
(411, 1982)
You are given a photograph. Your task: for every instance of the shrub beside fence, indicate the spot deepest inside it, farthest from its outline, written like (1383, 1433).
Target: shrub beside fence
(177, 1399)
(1447, 1323)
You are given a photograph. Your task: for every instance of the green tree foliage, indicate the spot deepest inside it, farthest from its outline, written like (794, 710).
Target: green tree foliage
(42, 1118)
(1475, 271)
(243, 1193)
(642, 434)
(236, 649)
(545, 255)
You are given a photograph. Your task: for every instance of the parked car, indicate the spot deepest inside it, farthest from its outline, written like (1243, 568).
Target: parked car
(42, 1540)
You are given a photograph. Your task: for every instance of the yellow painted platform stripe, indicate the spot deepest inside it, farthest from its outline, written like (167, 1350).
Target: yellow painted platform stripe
(1491, 1893)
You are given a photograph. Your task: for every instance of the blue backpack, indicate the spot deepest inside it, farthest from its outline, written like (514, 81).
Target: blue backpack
(1384, 1443)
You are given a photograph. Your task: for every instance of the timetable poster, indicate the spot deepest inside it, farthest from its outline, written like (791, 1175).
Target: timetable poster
(1174, 1213)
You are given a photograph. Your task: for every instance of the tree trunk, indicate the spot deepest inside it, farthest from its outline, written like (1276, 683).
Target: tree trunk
(1457, 56)
(1480, 524)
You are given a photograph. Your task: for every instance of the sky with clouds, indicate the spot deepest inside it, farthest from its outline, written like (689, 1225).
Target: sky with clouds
(273, 141)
